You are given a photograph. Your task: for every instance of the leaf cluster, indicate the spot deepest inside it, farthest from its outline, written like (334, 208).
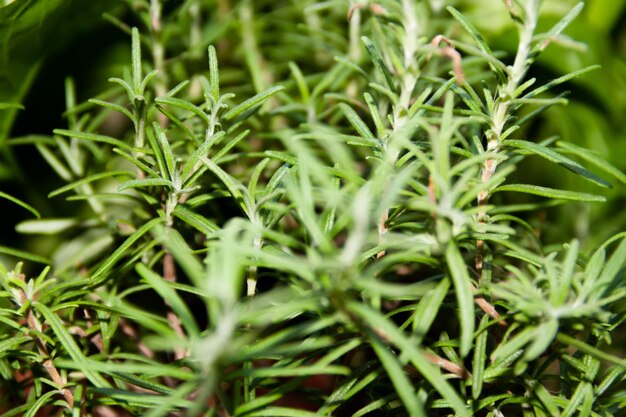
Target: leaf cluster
(339, 237)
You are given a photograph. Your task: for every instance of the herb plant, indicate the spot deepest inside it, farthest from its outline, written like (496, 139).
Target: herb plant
(300, 208)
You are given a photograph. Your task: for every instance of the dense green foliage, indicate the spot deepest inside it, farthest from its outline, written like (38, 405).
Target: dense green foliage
(302, 208)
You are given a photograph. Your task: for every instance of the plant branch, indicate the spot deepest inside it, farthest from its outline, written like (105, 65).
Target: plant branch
(408, 80)
(501, 113)
(35, 326)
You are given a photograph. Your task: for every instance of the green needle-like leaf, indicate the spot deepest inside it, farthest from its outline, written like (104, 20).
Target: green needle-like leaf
(24, 255)
(136, 60)
(356, 122)
(94, 138)
(115, 107)
(480, 356)
(40, 402)
(338, 244)
(379, 63)
(560, 80)
(101, 273)
(87, 180)
(183, 105)
(246, 108)
(594, 159)
(464, 296)
(550, 192)
(471, 30)
(384, 326)
(20, 203)
(195, 220)
(191, 165)
(148, 182)
(166, 151)
(214, 75)
(551, 155)
(67, 341)
(398, 378)
(170, 296)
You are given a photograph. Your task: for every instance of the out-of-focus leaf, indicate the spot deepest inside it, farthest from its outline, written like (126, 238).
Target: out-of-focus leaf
(29, 33)
(10, 106)
(93, 137)
(24, 255)
(49, 226)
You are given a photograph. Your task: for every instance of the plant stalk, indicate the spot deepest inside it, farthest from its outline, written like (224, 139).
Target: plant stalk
(408, 80)
(501, 114)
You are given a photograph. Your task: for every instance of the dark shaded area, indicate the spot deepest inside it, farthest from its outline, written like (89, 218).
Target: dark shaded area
(44, 106)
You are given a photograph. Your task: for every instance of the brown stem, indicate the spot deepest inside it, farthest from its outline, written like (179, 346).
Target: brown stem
(484, 305)
(448, 366)
(489, 168)
(488, 308)
(97, 338)
(432, 358)
(450, 52)
(35, 325)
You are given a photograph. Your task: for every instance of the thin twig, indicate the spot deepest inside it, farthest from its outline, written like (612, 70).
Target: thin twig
(500, 117)
(130, 331)
(449, 366)
(449, 51)
(35, 326)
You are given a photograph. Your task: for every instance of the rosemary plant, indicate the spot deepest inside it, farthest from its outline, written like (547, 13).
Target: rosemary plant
(310, 209)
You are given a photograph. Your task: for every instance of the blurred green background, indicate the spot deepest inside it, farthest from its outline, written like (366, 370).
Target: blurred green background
(44, 41)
